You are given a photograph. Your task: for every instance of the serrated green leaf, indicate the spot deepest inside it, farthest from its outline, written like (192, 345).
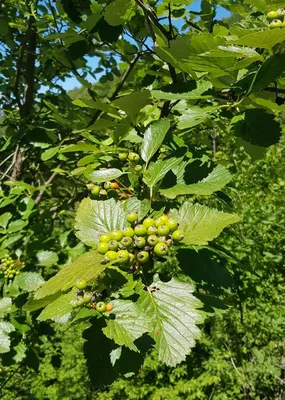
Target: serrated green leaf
(103, 175)
(5, 306)
(202, 224)
(85, 313)
(20, 349)
(33, 305)
(141, 207)
(96, 217)
(29, 281)
(58, 308)
(233, 51)
(88, 266)
(128, 325)
(173, 312)
(132, 103)
(265, 40)
(16, 226)
(268, 72)
(195, 94)
(257, 127)
(215, 181)
(47, 258)
(4, 219)
(157, 170)
(80, 147)
(153, 138)
(194, 116)
(119, 11)
(5, 329)
(49, 153)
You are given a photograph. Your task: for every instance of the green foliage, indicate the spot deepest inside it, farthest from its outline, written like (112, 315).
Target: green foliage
(179, 93)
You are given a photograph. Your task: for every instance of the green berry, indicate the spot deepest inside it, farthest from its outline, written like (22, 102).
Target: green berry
(103, 247)
(152, 240)
(143, 257)
(96, 190)
(281, 13)
(148, 222)
(87, 297)
(276, 23)
(163, 230)
(160, 249)
(127, 241)
(138, 168)
(123, 257)
(159, 221)
(11, 276)
(140, 242)
(140, 230)
(178, 235)
(111, 255)
(81, 284)
(108, 185)
(117, 235)
(101, 307)
(105, 238)
(132, 217)
(152, 230)
(272, 15)
(133, 157)
(123, 156)
(113, 245)
(128, 232)
(172, 224)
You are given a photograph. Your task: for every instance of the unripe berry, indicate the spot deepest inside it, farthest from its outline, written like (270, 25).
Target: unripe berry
(143, 257)
(105, 238)
(116, 235)
(160, 249)
(103, 247)
(178, 235)
(152, 240)
(132, 217)
(140, 242)
(140, 230)
(81, 284)
(123, 156)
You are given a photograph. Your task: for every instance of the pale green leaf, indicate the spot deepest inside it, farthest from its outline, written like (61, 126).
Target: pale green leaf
(128, 325)
(194, 116)
(103, 175)
(20, 350)
(157, 170)
(88, 266)
(47, 258)
(202, 224)
(132, 103)
(80, 147)
(265, 39)
(195, 94)
(215, 181)
(5, 329)
(4, 219)
(233, 51)
(119, 11)
(153, 138)
(49, 153)
(58, 308)
(141, 207)
(33, 305)
(174, 317)
(16, 226)
(96, 217)
(29, 281)
(5, 306)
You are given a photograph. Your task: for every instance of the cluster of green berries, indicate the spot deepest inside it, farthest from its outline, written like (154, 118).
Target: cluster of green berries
(132, 158)
(101, 190)
(10, 267)
(136, 244)
(277, 18)
(84, 297)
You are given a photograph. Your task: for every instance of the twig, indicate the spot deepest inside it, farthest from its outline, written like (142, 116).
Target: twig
(50, 179)
(7, 158)
(119, 87)
(169, 20)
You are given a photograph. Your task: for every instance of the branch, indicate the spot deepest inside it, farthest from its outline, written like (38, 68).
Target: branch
(41, 193)
(30, 67)
(119, 87)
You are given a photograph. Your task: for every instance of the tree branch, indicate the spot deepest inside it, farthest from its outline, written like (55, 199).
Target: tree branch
(41, 193)
(119, 87)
